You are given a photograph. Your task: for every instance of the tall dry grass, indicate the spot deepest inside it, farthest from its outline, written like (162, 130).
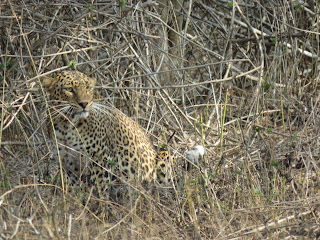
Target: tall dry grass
(239, 77)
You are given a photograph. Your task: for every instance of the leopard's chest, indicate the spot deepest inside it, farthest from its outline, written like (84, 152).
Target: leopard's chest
(86, 136)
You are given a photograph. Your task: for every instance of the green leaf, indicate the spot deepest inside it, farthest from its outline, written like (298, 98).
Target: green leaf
(112, 163)
(268, 130)
(123, 3)
(275, 163)
(73, 64)
(210, 175)
(257, 191)
(89, 6)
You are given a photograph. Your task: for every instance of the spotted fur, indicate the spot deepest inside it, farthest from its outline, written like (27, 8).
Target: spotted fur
(98, 143)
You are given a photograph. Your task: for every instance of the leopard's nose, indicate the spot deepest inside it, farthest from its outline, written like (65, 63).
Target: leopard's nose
(83, 104)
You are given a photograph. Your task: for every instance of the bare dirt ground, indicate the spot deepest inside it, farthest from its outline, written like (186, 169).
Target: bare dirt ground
(239, 77)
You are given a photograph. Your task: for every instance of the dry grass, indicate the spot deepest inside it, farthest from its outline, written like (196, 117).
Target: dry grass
(242, 79)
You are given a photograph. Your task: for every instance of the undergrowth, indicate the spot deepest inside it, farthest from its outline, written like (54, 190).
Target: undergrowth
(240, 78)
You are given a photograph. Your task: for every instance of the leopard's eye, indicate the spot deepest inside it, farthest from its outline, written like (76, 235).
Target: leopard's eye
(89, 88)
(69, 89)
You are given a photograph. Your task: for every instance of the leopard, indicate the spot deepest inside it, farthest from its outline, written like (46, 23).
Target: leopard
(97, 143)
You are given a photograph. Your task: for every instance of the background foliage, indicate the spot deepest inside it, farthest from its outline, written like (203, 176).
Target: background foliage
(239, 77)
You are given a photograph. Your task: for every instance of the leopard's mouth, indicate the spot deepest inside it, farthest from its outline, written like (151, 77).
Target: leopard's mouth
(81, 114)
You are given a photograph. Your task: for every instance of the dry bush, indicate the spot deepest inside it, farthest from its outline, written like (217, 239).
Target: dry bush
(241, 78)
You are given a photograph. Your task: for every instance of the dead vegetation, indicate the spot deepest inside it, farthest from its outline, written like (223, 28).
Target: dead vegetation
(239, 77)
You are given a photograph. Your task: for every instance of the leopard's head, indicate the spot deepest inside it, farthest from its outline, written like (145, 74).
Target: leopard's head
(71, 92)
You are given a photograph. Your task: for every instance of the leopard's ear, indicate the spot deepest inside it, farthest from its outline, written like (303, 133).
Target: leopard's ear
(50, 84)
